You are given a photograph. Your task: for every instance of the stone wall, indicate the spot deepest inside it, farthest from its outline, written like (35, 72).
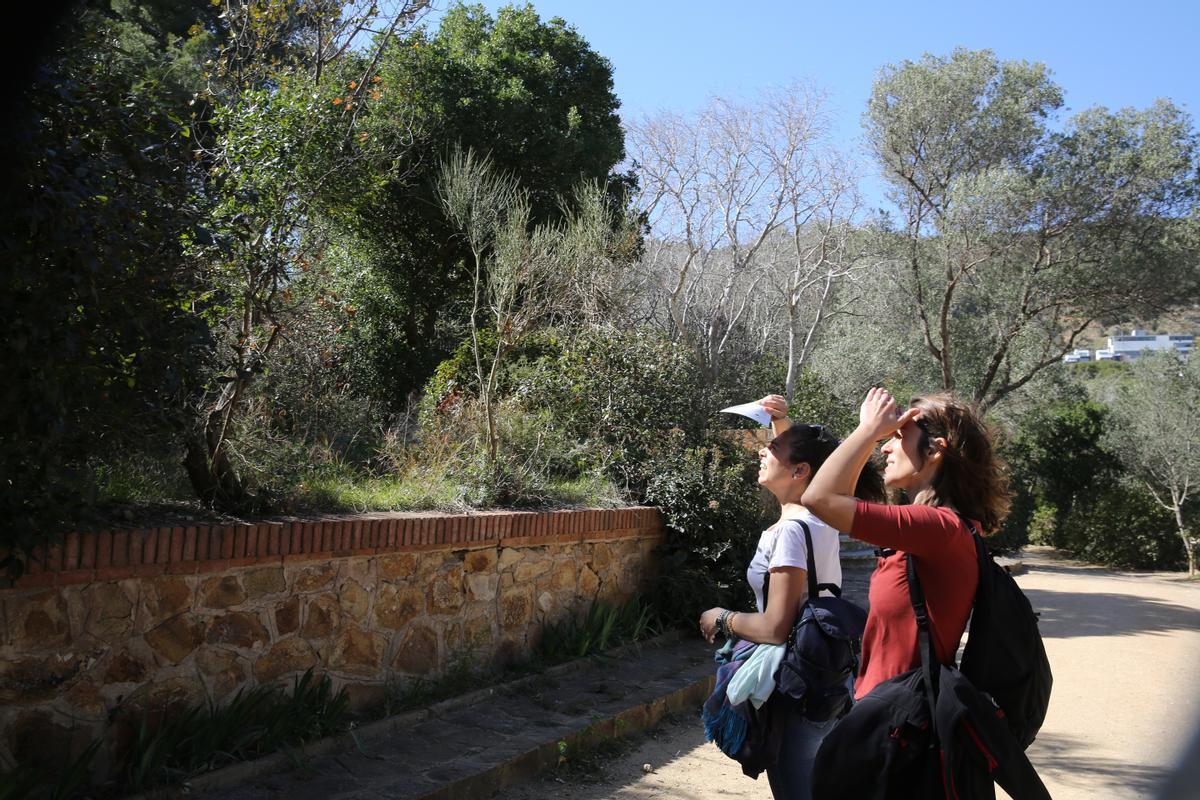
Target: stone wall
(167, 615)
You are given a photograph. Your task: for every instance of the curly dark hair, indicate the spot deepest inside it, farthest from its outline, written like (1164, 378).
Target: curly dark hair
(811, 444)
(972, 478)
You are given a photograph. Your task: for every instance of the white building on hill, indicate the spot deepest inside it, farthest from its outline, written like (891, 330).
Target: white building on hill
(1080, 354)
(1127, 348)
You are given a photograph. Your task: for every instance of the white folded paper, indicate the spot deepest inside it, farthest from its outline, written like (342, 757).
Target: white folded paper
(752, 410)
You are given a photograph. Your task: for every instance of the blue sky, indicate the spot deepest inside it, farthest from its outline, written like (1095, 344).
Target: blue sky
(674, 54)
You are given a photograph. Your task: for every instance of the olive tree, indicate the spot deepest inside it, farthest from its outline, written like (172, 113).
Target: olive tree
(1156, 433)
(1011, 236)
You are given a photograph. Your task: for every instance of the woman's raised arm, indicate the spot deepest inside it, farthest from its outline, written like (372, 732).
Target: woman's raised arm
(830, 494)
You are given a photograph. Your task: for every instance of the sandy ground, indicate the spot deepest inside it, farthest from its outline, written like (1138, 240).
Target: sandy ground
(1125, 649)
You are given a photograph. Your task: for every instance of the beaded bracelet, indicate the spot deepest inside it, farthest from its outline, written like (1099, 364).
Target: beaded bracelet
(722, 622)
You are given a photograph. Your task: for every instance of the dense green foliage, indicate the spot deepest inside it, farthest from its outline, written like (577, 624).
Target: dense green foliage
(1122, 526)
(240, 271)
(102, 342)
(533, 98)
(1078, 483)
(1056, 460)
(217, 224)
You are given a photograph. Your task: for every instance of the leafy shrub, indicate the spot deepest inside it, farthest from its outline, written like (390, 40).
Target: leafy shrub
(534, 459)
(1055, 458)
(629, 405)
(1122, 526)
(813, 400)
(618, 392)
(455, 378)
(712, 509)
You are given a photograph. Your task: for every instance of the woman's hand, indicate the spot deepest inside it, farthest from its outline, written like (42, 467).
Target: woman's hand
(775, 405)
(878, 416)
(708, 624)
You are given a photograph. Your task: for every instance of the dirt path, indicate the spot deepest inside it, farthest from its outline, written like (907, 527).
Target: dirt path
(1125, 649)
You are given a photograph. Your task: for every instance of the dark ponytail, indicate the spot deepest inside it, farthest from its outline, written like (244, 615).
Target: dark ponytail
(812, 444)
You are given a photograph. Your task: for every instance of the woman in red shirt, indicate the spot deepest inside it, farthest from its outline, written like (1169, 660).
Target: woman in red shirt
(940, 454)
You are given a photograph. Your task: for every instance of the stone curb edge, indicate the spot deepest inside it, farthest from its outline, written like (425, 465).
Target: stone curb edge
(235, 774)
(546, 755)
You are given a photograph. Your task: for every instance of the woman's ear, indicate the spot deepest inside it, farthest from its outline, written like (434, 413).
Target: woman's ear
(801, 471)
(936, 445)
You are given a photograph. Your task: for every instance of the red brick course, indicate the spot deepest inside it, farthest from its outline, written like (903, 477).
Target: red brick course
(120, 554)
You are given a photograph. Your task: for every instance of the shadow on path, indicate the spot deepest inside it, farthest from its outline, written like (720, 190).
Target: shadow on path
(1069, 614)
(1066, 758)
(1079, 569)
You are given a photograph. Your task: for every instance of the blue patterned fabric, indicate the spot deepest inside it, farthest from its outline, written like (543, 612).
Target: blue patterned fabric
(723, 725)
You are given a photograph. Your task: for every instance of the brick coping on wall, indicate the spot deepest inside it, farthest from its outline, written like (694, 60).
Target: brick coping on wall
(187, 550)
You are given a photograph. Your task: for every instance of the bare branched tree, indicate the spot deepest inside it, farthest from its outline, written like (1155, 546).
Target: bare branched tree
(742, 197)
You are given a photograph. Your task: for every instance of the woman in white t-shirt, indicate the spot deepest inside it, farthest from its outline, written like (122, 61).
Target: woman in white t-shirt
(786, 466)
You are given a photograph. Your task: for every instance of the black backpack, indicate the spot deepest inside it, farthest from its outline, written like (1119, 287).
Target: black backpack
(1004, 655)
(927, 733)
(822, 650)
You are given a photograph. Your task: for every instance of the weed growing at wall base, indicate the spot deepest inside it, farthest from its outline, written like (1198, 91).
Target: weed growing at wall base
(603, 627)
(169, 745)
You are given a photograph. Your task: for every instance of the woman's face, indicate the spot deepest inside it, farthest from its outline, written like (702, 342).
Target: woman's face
(772, 472)
(906, 464)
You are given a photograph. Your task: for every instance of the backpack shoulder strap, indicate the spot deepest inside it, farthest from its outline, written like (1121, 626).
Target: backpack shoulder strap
(966, 521)
(980, 548)
(916, 596)
(813, 587)
(814, 584)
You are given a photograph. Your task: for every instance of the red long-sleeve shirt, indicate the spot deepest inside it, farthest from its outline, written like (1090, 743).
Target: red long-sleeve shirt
(944, 552)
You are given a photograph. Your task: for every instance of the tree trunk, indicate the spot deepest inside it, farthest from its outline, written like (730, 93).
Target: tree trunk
(1188, 544)
(789, 385)
(213, 478)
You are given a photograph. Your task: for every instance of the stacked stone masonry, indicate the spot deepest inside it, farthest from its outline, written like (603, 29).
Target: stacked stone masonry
(159, 617)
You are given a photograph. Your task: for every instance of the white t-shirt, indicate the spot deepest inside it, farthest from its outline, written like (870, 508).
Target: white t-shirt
(782, 545)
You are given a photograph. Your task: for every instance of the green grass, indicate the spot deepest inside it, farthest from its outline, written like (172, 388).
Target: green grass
(603, 627)
(460, 676)
(426, 489)
(340, 487)
(140, 482)
(591, 491)
(347, 492)
(168, 746)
